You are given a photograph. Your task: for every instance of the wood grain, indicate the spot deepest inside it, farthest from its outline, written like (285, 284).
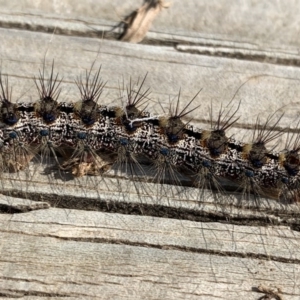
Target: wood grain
(111, 239)
(79, 254)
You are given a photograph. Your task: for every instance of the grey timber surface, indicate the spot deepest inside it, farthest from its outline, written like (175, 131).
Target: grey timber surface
(113, 239)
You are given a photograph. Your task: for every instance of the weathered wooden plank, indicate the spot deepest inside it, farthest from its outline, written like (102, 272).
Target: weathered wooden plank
(246, 23)
(168, 70)
(71, 253)
(125, 272)
(269, 243)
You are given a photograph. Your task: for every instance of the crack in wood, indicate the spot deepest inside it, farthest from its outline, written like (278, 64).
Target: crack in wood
(161, 211)
(184, 249)
(22, 293)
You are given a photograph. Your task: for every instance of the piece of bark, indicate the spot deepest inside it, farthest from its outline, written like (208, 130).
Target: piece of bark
(137, 23)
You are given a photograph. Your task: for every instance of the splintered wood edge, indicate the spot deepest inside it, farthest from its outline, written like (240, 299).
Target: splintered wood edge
(16, 205)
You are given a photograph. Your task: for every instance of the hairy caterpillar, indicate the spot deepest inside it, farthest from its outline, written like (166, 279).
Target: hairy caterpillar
(86, 138)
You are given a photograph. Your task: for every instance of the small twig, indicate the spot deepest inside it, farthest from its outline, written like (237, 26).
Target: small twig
(137, 24)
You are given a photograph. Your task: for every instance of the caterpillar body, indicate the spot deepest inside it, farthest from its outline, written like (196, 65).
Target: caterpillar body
(87, 138)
